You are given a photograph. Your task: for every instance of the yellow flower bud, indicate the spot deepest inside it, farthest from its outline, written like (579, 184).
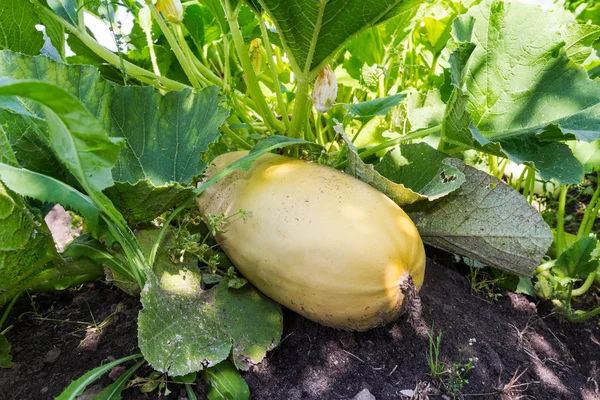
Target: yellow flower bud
(325, 90)
(255, 54)
(172, 10)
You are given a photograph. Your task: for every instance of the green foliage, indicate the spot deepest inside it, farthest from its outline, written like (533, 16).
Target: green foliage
(225, 383)
(519, 106)
(313, 31)
(5, 356)
(78, 386)
(185, 333)
(18, 19)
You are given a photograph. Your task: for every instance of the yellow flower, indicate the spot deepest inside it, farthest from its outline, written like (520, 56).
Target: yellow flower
(172, 10)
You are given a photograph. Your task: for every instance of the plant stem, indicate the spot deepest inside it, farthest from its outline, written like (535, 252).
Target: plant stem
(7, 310)
(179, 54)
(154, 250)
(591, 212)
(580, 317)
(300, 109)
(273, 70)
(251, 79)
(133, 70)
(561, 243)
(390, 143)
(586, 285)
(153, 60)
(64, 275)
(235, 138)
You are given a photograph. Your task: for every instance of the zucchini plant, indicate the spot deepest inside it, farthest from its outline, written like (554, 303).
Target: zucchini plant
(398, 93)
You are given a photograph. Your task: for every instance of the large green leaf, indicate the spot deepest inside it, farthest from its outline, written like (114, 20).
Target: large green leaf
(165, 135)
(520, 90)
(17, 27)
(183, 328)
(485, 220)
(313, 31)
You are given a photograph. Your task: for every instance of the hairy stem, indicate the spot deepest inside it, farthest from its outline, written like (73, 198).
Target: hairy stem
(561, 243)
(160, 82)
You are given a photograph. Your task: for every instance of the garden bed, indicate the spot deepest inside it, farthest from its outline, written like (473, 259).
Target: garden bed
(513, 337)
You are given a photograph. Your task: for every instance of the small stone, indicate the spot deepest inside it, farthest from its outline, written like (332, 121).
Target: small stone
(364, 395)
(116, 372)
(44, 389)
(52, 356)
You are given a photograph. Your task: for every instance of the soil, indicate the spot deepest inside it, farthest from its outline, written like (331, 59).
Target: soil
(511, 337)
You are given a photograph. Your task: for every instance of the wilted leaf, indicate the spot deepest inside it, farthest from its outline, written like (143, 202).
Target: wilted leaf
(485, 220)
(399, 193)
(421, 168)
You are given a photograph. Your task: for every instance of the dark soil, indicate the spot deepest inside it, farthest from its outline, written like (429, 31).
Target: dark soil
(513, 338)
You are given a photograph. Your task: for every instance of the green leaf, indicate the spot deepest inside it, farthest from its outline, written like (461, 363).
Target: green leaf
(525, 286)
(75, 135)
(18, 19)
(422, 169)
(313, 31)
(520, 89)
(28, 138)
(225, 383)
(113, 391)
(184, 329)
(368, 109)
(84, 246)
(55, 32)
(26, 245)
(78, 386)
(485, 220)
(437, 32)
(7, 155)
(425, 110)
(398, 192)
(576, 261)
(194, 23)
(67, 9)
(143, 201)
(165, 134)
(579, 39)
(5, 356)
(47, 189)
(588, 154)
